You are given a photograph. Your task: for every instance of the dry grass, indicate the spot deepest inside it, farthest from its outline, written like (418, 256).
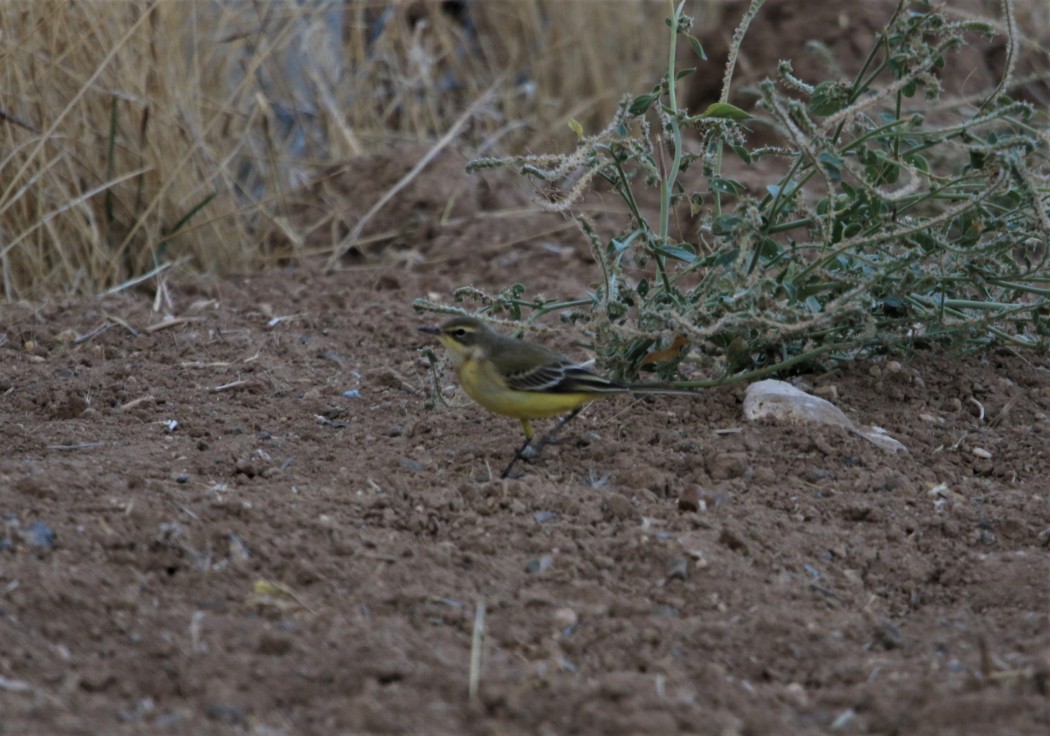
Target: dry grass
(141, 134)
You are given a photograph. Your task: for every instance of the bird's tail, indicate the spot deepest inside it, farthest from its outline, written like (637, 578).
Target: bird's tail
(586, 382)
(578, 379)
(659, 388)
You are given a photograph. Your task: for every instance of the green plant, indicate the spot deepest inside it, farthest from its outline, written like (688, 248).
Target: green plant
(891, 226)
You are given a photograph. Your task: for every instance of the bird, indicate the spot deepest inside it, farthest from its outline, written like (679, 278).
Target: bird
(525, 380)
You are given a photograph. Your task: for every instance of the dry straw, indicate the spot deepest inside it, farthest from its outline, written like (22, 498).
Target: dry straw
(136, 135)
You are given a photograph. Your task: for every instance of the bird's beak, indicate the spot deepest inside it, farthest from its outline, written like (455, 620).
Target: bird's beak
(431, 330)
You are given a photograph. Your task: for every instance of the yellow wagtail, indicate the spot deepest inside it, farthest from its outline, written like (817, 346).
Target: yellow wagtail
(524, 380)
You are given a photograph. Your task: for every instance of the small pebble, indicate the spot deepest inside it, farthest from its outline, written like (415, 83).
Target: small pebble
(333, 356)
(167, 720)
(542, 517)
(843, 719)
(40, 535)
(889, 634)
(565, 618)
(539, 564)
(796, 694)
(678, 569)
(238, 549)
(666, 611)
(352, 394)
(225, 713)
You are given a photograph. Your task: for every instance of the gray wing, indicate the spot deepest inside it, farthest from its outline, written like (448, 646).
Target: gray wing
(530, 367)
(562, 377)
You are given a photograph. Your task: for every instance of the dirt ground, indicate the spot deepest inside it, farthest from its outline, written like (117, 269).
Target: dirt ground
(236, 514)
(246, 520)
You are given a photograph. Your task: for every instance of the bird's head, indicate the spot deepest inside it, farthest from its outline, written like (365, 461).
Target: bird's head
(463, 337)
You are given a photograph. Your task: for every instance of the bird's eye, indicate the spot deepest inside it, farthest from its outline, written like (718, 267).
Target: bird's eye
(460, 332)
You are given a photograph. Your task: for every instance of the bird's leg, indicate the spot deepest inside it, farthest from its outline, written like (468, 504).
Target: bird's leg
(544, 441)
(549, 437)
(527, 426)
(517, 456)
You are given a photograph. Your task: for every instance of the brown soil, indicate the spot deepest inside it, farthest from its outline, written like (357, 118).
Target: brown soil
(246, 520)
(204, 532)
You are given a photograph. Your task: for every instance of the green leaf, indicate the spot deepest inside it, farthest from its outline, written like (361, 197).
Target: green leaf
(618, 246)
(883, 171)
(698, 49)
(828, 98)
(725, 111)
(696, 203)
(642, 103)
(576, 127)
(776, 190)
(726, 224)
(684, 72)
(728, 186)
(831, 164)
(680, 251)
(918, 162)
(769, 248)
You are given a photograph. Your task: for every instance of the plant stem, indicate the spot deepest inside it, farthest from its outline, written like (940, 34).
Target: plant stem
(671, 176)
